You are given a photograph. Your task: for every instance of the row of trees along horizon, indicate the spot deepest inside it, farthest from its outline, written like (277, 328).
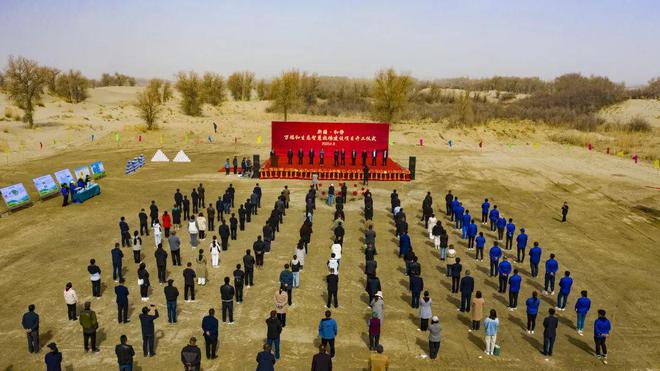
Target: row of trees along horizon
(570, 100)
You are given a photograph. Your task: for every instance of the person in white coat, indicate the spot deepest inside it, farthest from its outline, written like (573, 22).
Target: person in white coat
(201, 226)
(336, 249)
(71, 300)
(194, 231)
(215, 252)
(158, 232)
(432, 222)
(300, 253)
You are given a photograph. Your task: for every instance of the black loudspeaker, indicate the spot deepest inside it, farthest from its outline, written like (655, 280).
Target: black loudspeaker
(256, 165)
(411, 166)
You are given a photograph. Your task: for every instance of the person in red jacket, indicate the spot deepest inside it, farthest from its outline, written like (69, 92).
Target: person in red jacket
(167, 223)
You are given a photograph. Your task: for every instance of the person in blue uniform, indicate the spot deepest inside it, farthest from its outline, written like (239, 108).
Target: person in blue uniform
(510, 229)
(504, 270)
(534, 259)
(514, 289)
(551, 268)
(521, 245)
(565, 284)
(485, 206)
(493, 215)
(495, 253)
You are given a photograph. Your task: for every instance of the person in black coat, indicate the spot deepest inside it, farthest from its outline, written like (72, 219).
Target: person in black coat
(186, 208)
(148, 331)
(121, 293)
(372, 287)
(227, 296)
(30, 323)
(161, 263)
(125, 232)
(364, 157)
(456, 275)
(549, 332)
(191, 356)
(416, 288)
(353, 156)
(210, 329)
(333, 287)
(248, 263)
(448, 200)
(311, 156)
(289, 156)
(239, 279)
(144, 223)
(466, 286)
(241, 217)
(339, 233)
(301, 155)
(153, 212)
(259, 249)
(124, 352)
(224, 233)
(322, 361)
(336, 158)
(233, 226)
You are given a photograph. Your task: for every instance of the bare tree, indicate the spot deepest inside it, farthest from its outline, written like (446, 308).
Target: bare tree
(213, 89)
(240, 85)
(263, 90)
(50, 74)
(149, 103)
(189, 86)
(390, 94)
(161, 89)
(71, 86)
(285, 92)
(309, 89)
(24, 85)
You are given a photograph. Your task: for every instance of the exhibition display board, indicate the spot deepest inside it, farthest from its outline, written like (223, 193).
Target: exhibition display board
(15, 196)
(64, 176)
(45, 185)
(98, 170)
(82, 172)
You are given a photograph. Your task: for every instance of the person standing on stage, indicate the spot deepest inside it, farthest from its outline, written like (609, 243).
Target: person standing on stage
(321, 156)
(311, 156)
(385, 157)
(301, 154)
(374, 157)
(353, 156)
(289, 157)
(336, 158)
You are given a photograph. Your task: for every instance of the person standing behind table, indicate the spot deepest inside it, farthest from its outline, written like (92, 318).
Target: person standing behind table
(491, 324)
(191, 356)
(210, 212)
(564, 290)
(161, 263)
(210, 332)
(549, 332)
(144, 222)
(564, 212)
(425, 311)
(186, 208)
(328, 331)
(215, 252)
(89, 324)
(71, 300)
(167, 223)
(30, 323)
(551, 268)
(117, 255)
(456, 275)
(200, 268)
(416, 287)
(176, 217)
(171, 295)
(477, 311)
(533, 304)
(534, 259)
(175, 248)
(189, 283)
(514, 289)
(193, 231)
(501, 225)
(125, 354)
(485, 206)
(157, 232)
(466, 288)
(121, 293)
(233, 227)
(194, 197)
(434, 337)
(273, 331)
(65, 195)
(148, 330)
(248, 263)
(521, 245)
(125, 232)
(153, 212)
(582, 306)
(239, 279)
(95, 277)
(137, 247)
(510, 229)
(504, 270)
(322, 360)
(495, 253)
(602, 328)
(227, 296)
(143, 281)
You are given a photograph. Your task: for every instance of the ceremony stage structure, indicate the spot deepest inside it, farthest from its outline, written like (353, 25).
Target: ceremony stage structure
(290, 139)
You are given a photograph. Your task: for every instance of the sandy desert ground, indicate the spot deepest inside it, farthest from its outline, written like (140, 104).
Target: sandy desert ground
(608, 244)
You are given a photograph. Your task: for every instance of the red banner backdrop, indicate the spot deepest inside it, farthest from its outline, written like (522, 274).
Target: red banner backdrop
(330, 136)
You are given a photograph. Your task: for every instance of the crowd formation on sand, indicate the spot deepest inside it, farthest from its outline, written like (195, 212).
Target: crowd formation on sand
(190, 215)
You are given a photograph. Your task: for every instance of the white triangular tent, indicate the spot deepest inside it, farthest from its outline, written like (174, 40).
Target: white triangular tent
(181, 157)
(159, 156)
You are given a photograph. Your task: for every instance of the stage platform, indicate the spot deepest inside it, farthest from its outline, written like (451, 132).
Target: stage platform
(390, 172)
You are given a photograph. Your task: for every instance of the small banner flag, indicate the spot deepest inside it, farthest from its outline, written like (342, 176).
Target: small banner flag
(536, 145)
(210, 139)
(450, 142)
(259, 139)
(656, 164)
(139, 138)
(510, 145)
(117, 137)
(635, 158)
(185, 138)
(620, 153)
(54, 142)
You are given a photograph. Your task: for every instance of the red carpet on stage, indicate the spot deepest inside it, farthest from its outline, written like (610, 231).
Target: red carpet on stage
(392, 171)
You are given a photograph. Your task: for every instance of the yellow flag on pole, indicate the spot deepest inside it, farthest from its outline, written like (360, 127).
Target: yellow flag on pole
(259, 139)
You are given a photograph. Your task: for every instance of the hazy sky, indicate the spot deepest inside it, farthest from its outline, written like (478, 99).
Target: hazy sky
(430, 39)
